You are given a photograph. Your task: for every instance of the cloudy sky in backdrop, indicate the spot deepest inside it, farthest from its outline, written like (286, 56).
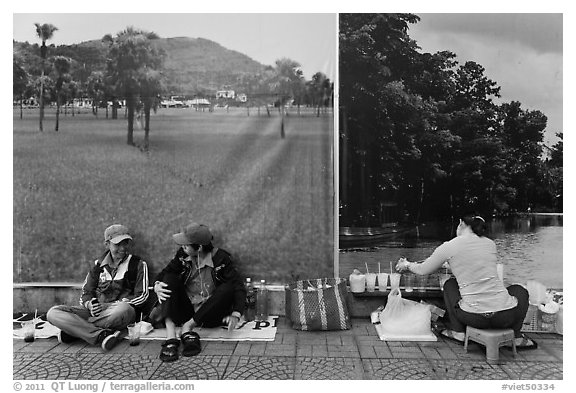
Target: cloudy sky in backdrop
(309, 39)
(522, 53)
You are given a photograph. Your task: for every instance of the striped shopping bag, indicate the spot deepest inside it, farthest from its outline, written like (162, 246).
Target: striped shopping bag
(318, 304)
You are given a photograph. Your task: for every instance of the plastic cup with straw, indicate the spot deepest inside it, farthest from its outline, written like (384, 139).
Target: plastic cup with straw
(370, 279)
(382, 279)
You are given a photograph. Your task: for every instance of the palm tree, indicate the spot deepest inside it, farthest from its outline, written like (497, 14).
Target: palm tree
(44, 32)
(95, 89)
(131, 56)
(150, 89)
(62, 68)
(287, 83)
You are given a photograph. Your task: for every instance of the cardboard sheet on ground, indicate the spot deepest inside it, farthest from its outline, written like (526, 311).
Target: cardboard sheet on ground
(393, 337)
(246, 331)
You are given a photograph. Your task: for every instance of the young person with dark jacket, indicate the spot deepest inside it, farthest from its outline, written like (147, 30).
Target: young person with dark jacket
(199, 287)
(114, 289)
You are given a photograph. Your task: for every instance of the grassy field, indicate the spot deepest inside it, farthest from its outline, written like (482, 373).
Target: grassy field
(268, 200)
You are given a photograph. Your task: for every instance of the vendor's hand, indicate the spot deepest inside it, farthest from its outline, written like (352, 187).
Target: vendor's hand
(232, 322)
(402, 264)
(95, 308)
(161, 289)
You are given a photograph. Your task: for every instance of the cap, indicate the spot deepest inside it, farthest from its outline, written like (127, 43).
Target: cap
(194, 234)
(116, 233)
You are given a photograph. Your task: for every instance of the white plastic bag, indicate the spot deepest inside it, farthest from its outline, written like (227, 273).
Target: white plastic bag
(536, 291)
(404, 317)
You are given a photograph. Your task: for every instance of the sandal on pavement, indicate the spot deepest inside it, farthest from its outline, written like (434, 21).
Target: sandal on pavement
(451, 335)
(169, 352)
(191, 343)
(525, 344)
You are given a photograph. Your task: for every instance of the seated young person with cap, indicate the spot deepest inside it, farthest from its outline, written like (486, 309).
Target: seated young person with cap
(114, 288)
(198, 287)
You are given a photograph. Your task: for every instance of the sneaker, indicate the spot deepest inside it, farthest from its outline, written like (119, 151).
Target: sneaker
(65, 338)
(108, 339)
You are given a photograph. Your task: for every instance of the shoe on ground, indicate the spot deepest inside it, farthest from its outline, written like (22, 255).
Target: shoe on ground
(169, 351)
(191, 344)
(108, 339)
(65, 338)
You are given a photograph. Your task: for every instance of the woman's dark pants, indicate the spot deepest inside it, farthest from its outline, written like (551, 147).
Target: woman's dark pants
(179, 308)
(506, 319)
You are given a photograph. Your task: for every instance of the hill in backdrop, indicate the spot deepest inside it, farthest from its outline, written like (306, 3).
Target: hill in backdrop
(191, 65)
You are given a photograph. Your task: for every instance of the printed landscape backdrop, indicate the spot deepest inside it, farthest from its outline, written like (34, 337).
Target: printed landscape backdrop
(242, 146)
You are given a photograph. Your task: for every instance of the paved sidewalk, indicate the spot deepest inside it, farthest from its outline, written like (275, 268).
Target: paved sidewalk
(343, 355)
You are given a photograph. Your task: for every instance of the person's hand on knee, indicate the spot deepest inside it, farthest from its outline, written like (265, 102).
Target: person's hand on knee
(162, 291)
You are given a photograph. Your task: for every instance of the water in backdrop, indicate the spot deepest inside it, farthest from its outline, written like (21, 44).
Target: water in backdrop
(529, 246)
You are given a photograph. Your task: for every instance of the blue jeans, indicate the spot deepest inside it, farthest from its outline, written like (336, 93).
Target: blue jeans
(77, 321)
(506, 319)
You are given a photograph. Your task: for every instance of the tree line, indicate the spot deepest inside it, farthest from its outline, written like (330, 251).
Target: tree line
(422, 139)
(130, 70)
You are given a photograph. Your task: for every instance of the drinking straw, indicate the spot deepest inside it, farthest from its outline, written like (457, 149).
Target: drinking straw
(379, 268)
(366, 264)
(35, 313)
(391, 270)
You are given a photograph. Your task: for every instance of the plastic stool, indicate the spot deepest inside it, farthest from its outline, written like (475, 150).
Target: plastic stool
(493, 339)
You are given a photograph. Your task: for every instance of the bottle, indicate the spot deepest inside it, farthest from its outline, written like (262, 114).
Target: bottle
(262, 302)
(250, 304)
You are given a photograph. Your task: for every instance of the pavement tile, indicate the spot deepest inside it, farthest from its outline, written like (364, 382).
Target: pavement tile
(431, 353)
(383, 352)
(465, 370)
(367, 352)
(402, 369)
(218, 348)
(334, 340)
(201, 367)
(447, 353)
(50, 366)
(368, 339)
(328, 369)
(343, 348)
(303, 350)
(319, 351)
(243, 348)
(20, 361)
(273, 349)
(354, 354)
(118, 366)
(344, 354)
(539, 354)
(311, 339)
(259, 367)
(39, 345)
(534, 371)
(18, 344)
(286, 339)
(557, 352)
(257, 349)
